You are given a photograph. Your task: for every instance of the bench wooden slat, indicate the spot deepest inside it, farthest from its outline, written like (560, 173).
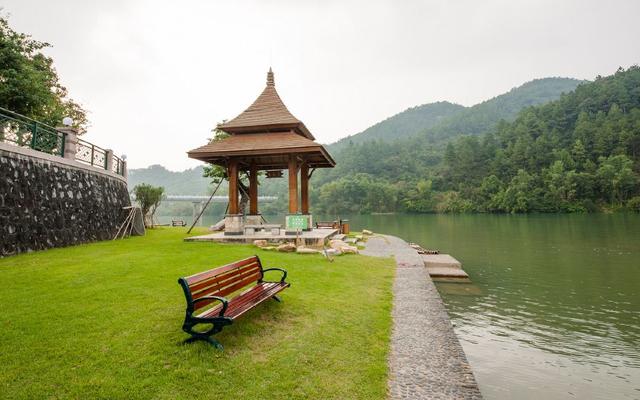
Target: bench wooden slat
(217, 271)
(248, 299)
(229, 289)
(216, 287)
(221, 280)
(240, 310)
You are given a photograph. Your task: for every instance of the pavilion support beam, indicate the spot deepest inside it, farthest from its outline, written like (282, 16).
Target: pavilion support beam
(233, 187)
(293, 184)
(304, 188)
(253, 190)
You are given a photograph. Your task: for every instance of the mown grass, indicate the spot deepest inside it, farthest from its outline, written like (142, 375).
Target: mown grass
(103, 321)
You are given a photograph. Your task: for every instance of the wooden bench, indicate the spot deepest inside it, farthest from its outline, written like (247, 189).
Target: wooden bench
(328, 224)
(206, 288)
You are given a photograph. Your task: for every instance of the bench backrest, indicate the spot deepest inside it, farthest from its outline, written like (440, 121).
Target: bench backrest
(221, 281)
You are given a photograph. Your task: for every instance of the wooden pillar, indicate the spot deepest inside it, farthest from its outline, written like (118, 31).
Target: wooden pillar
(304, 188)
(233, 187)
(253, 190)
(293, 185)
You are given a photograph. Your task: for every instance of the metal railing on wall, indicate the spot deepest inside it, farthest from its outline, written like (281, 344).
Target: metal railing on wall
(26, 132)
(91, 154)
(22, 131)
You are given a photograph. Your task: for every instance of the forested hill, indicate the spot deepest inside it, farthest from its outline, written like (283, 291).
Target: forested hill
(578, 153)
(484, 116)
(402, 125)
(188, 182)
(444, 119)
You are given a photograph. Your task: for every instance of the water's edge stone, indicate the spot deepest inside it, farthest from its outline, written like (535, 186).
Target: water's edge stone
(426, 360)
(45, 204)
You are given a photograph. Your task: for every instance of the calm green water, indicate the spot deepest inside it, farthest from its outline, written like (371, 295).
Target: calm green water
(554, 308)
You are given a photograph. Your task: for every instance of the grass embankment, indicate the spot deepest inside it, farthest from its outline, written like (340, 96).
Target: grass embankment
(103, 321)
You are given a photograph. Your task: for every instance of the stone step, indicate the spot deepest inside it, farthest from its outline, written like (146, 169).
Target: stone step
(440, 261)
(446, 272)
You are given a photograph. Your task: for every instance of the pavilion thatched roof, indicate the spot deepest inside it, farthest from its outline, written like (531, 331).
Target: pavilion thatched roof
(267, 113)
(266, 134)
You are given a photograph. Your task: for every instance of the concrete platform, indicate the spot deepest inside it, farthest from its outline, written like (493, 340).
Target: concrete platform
(443, 266)
(440, 261)
(314, 238)
(446, 272)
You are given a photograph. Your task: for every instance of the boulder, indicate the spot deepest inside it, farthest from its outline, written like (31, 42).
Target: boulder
(337, 244)
(367, 232)
(260, 242)
(287, 247)
(306, 250)
(349, 249)
(332, 252)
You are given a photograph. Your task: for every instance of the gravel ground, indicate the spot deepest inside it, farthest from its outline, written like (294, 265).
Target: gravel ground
(426, 360)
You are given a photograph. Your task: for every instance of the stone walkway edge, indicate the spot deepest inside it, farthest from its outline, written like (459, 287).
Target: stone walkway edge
(426, 359)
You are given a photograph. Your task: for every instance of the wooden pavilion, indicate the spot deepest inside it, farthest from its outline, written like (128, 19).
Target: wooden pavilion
(266, 137)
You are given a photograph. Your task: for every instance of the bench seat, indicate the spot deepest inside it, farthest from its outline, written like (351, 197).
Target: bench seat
(247, 300)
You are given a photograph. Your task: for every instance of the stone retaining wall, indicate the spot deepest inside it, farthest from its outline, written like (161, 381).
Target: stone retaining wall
(47, 201)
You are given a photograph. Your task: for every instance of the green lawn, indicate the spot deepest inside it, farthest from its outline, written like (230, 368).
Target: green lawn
(103, 321)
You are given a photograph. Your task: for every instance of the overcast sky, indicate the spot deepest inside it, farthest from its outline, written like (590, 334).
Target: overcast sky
(156, 76)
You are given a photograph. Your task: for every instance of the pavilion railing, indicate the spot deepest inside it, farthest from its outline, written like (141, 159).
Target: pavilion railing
(22, 131)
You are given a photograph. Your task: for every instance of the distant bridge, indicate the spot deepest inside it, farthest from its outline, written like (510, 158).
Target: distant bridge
(215, 199)
(199, 201)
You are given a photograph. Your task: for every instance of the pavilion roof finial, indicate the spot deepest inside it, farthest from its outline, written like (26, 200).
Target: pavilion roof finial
(270, 80)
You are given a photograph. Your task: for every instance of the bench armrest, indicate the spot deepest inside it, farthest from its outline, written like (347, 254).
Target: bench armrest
(225, 302)
(284, 274)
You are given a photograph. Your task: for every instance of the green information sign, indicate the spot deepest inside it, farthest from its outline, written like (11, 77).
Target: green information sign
(295, 222)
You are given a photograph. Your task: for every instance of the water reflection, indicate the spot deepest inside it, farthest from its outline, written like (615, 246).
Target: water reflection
(553, 311)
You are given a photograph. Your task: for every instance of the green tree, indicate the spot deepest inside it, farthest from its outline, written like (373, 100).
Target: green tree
(420, 198)
(149, 198)
(616, 178)
(490, 194)
(519, 196)
(29, 84)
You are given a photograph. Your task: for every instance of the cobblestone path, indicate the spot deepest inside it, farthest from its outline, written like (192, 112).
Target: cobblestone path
(426, 359)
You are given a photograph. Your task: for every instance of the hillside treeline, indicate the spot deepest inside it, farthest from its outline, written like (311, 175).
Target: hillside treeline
(578, 153)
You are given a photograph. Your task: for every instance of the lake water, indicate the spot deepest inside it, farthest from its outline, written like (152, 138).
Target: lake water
(554, 308)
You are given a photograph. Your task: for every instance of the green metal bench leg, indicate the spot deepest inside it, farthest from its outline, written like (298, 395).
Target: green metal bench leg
(206, 336)
(207, 339)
